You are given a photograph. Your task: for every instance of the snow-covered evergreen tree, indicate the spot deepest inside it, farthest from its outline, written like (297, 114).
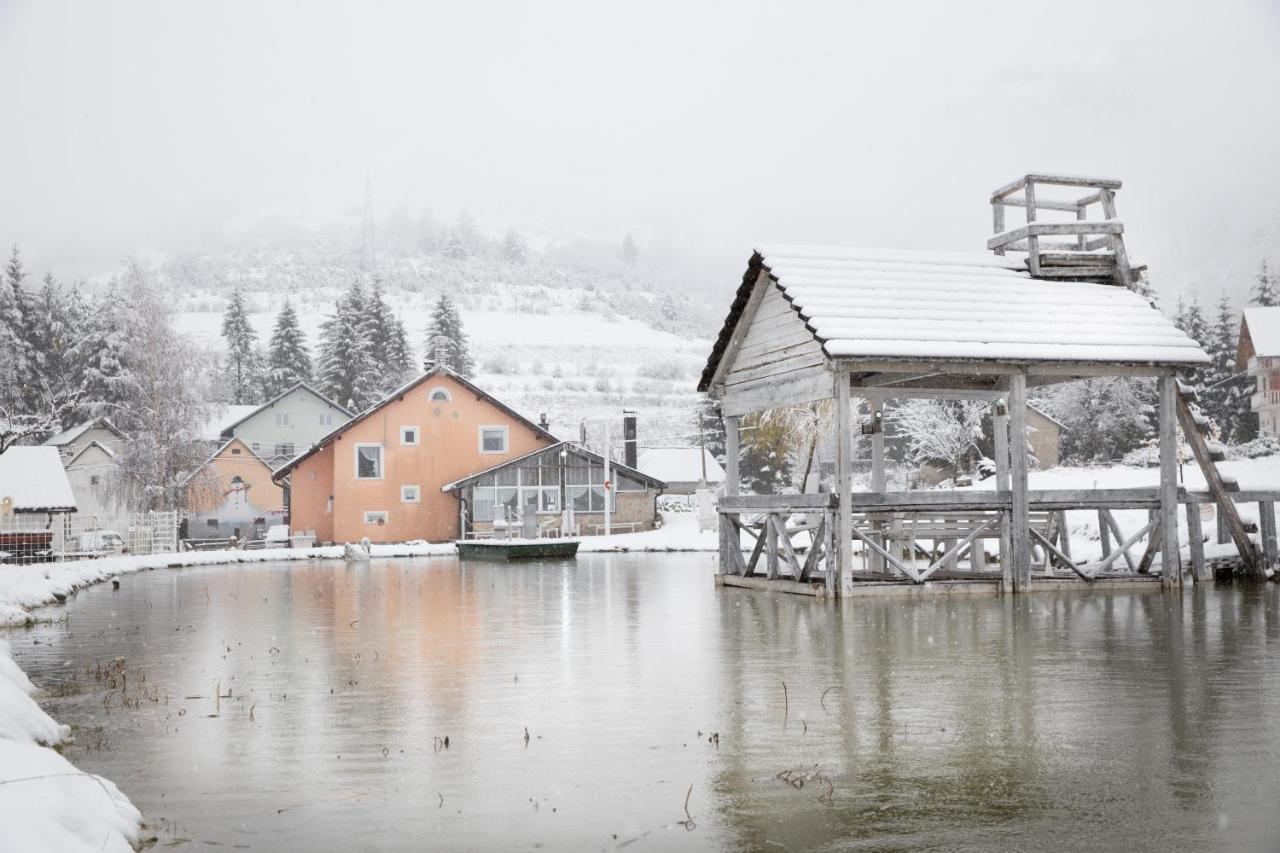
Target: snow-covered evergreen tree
(1105, 417)
(100, 359)
(17, 368)
(347, 373)
(288, 358)
(388, 342)
(630, 251)
(1191, 320)
(513, 249)
(1266, 288)
(243, 366)
(446, 343)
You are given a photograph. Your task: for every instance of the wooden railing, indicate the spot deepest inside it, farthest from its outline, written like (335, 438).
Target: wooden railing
(794, 535)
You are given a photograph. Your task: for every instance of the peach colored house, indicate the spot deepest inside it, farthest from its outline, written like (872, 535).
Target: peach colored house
(233, 494)
(380, 474)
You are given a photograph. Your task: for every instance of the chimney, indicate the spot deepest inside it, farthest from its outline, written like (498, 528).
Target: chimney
(543, 422)
(629, 438)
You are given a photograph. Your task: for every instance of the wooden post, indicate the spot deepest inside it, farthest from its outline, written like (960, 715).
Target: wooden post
(1104, 532)
(1019, 516)
(1033, 242)
(1064, 535)
(1195, 538)
(770, 533)
(1171, 571)
(1267, 532)
(1000, 422)
(730, 537)
(828, 550)
(844, 482)
(875, 561)
(1224, 535)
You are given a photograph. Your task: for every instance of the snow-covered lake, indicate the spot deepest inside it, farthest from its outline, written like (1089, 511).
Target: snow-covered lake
(1074, 721)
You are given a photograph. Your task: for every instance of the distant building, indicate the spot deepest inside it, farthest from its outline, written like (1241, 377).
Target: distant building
(285, 425)
(1259, 353)
(1044, 434)
(681, 468)
(380, 474)
(232, 494)
(89, 453)
(35, 503)
(529, 494)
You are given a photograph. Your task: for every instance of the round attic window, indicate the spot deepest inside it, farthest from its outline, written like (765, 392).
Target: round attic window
(440, 395)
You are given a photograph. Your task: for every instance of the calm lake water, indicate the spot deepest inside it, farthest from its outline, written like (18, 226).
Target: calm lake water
(1123, 721)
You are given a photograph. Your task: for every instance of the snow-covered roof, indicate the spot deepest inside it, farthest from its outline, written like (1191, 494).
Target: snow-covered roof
(68, 436)
(253, 410)
(224, 419)
(679, 464)
(554, 449)
(1264, 330)
(894, 304)
(34, 480)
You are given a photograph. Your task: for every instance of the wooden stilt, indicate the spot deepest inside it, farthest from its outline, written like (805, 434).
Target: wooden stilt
(1171, 573)
(878, 481)
(844, 482)
(1195, 538)
(730, 538)
(1019, 520)
(1267, 531)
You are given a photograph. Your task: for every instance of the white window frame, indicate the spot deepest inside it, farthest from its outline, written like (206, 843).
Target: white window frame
(382, 460)
(431, 395)
(417, 495)
(282, 418)
(506, 439)
(326, 419)
(417, 435)
(386, 516)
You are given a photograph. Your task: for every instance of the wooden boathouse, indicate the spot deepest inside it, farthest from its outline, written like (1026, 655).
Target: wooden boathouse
(1054, 302)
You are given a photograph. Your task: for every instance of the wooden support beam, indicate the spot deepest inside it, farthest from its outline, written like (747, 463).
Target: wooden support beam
(1114, 526)
(1171, 571)
(1267, 532)
(844, 482)
(1053, 551)
(1195, 538)
(1019, 521)
(771, 547)
(876, 564)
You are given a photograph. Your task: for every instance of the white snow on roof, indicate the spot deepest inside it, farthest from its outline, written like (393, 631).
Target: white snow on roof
(900, 304)
(34, 479)
(678, 464)
(225, 417)
(1264, 331)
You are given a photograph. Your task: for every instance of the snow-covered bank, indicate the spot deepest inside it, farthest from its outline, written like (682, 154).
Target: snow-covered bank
(45, 802)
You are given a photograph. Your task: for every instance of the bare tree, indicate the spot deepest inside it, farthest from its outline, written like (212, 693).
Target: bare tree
(21, 427)
(941, 430)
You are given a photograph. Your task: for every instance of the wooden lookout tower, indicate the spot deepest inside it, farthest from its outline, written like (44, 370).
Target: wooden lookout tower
(1053, 303)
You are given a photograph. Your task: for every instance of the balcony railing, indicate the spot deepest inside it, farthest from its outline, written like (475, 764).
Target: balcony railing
(1264, 399)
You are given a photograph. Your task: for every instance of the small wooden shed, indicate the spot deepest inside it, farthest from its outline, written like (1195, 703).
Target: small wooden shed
(814, 323)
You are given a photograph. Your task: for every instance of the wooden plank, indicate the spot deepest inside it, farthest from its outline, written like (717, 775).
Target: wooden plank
(926, 500)
(844, 479)
(1041, 204)
(800, 386)
(1074, 272)
(1195, 539)
(763, 282)
(1064, 534)
(1062, 558)
(731, 453)
(815, 550)
(829, 551)
(1104, 532)
(1019, 524)
(784, 542)
(771, 547)
(1218, 489)
(952, 553)
(777, 503)
(1032, 237)
(1114, 526)
(876, 564)
(775, 366)
(1035, 230)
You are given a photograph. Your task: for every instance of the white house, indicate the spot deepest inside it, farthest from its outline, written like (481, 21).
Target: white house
(284, 426)
(89, 453)
(1259, 353)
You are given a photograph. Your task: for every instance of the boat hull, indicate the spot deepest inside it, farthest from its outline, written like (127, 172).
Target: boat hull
(497, 549)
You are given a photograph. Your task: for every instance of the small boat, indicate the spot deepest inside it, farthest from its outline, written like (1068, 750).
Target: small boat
(518, 549)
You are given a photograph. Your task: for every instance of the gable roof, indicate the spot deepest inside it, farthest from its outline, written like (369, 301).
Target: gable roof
(34, 479)
(436, 371)
(572, 448)
(68, 436)
(1260, 328)
(107, 450)
(254, 410)
(216, 425)
(919, 306)
(679, 464)
(1048, 417)
(219, 451)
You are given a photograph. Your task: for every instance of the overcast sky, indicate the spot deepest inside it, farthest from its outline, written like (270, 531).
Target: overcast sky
(128, 126)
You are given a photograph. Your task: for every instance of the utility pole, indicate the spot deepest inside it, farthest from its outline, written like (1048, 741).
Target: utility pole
(608, 484)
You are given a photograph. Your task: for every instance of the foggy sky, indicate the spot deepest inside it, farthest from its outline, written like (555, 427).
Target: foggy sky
(129, 126)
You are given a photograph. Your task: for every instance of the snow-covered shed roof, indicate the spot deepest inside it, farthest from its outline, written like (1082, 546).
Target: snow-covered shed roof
(33, 479)
(553, 450)
(909, 305)
(1260, 330)
(223, 420)
(68, 436)
(679, 464)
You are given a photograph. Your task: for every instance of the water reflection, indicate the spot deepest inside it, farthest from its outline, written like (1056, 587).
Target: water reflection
(1107, 721)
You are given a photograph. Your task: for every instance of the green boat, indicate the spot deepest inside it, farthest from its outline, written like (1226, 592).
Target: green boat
(518, 549)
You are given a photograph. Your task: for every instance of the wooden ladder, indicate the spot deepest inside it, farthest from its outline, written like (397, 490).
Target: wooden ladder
(1196, 427)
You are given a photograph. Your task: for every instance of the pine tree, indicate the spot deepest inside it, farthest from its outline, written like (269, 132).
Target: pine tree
(708, 428)
(243, 370)
(446, 343)
(630, 252)
(54, 324)
(513, 249)
(17, 370)
(1266, 290)
(1193, 322)
(347, 372)
(288, 359)
(388, 343)
(99, 359)
(1219, 377)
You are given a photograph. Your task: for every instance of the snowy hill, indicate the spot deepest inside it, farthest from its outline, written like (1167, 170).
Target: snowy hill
(546, 336)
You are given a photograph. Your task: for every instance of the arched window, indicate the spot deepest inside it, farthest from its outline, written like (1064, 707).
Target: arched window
(440, 395)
